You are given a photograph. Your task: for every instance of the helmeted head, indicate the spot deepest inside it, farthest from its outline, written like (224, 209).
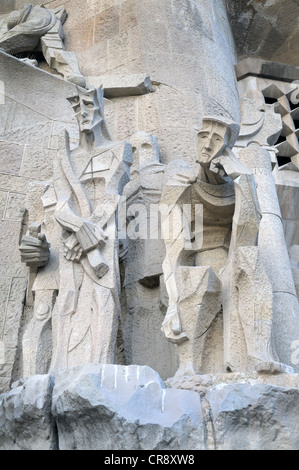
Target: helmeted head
(145, 148)
(214, 137)
(88, 108)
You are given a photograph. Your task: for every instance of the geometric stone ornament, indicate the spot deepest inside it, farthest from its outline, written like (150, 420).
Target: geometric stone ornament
(285, 104)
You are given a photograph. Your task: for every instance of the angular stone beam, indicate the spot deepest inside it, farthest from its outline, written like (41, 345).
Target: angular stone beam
(116, 86)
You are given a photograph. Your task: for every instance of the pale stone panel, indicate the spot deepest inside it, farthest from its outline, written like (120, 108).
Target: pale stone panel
(8, 182)
(57, 128)
(37, 87)
(94, 59)
(145, 344)
(135, 44)
(11, 265)
(126, 114)
(81, 36)
(4, 293)
(3, 202)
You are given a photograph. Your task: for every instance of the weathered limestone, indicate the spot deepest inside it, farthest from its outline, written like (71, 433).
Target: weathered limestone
(180, 44)
(261, 81)
(275, 260)
(248, 308)
(25, 131)
(199, 303)
(258, 134)
(123, 399)
(116, 86)
(249, 418)
(266, 30)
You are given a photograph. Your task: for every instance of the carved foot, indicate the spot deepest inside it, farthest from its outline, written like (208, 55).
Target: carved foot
(171, 326)
(272, 367)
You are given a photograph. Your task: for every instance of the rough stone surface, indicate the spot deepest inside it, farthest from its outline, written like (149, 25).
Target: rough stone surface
(31, 28)
(27, 132)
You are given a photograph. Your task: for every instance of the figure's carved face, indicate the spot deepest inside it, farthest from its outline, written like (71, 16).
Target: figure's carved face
(86, 108)
(211, 141)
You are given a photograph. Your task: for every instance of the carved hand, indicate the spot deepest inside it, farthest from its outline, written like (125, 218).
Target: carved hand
(88, 237)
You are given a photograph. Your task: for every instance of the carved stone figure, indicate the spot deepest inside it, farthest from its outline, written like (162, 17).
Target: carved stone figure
(37, 28)
(216, 276)
(87, 185)
(142, 263)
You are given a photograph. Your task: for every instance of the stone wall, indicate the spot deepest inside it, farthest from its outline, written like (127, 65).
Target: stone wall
(34, 110)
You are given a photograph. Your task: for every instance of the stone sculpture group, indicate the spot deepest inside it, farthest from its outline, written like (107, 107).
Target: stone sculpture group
(149, 270)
